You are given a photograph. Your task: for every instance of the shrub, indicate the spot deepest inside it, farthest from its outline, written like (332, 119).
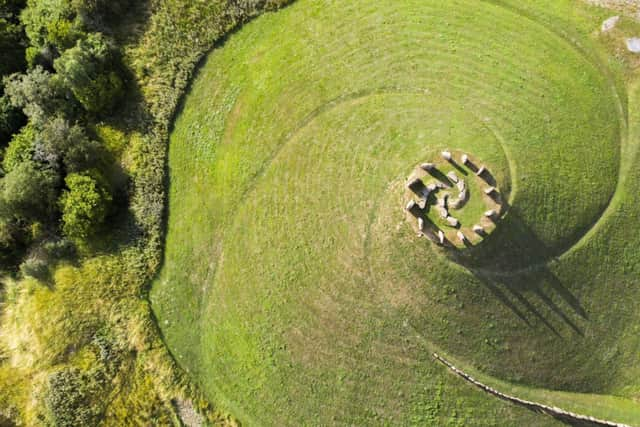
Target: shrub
(36, 267)
(114, 140)
(84, 205)
(29, 192)
(68, 399)
(20, 148)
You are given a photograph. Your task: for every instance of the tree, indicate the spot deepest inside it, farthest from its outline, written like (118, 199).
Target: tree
(58, 141)
(39, 94)
(84, 205)
(88, 71)
(50, 24)
(28, 192)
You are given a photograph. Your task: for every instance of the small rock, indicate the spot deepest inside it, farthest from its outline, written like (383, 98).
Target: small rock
(609, 24)
(633, 44)
(452, 221)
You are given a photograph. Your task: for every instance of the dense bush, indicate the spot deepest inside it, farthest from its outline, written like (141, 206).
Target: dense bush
(20, 149)
(68, 399)
(84, 205)
(28, 192)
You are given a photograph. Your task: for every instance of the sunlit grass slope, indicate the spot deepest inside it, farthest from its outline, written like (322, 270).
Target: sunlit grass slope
(293, 288)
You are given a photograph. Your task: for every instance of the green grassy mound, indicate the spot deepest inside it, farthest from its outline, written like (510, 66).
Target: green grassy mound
(294, 289)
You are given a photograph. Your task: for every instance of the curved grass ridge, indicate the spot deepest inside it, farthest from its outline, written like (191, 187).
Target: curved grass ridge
(288, 273)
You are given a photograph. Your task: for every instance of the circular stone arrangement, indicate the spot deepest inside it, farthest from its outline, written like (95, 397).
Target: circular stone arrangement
(453, 201)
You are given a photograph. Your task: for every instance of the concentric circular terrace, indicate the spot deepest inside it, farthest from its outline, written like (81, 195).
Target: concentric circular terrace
(290, 272)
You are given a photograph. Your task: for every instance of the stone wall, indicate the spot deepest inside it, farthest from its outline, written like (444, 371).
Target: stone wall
(534, 406)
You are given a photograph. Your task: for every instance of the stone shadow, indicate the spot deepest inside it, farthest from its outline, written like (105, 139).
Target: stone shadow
(512, 263)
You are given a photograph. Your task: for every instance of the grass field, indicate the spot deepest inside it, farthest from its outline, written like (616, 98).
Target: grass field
(293, 288)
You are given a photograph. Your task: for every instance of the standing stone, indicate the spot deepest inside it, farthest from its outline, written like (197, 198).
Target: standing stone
(420, 224)
(422, 203)
(490, 213)
(489, 190)
(609, 24)
(410, 205)
(441, 237)
(633, 44)
(461, 236)
(452, 221)
(462, 185)
(415, 185)
(453, 177)
(427, 167)
(446, 155)
(432, 187)
(443, 212)
(478, 229)
(481, 170)
(464, 159)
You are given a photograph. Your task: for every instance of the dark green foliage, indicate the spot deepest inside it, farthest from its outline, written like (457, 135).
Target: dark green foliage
(12, 37)
(59, 249)
(29, 192)
(88, 71)
(68, 400)
(84, 205)
(11, 119)
(13, 238)
(98, 14)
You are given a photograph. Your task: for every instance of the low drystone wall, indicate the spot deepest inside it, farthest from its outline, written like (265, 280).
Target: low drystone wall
(538, 407)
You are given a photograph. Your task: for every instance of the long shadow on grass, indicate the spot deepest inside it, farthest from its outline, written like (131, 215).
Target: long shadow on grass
(512, 263)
